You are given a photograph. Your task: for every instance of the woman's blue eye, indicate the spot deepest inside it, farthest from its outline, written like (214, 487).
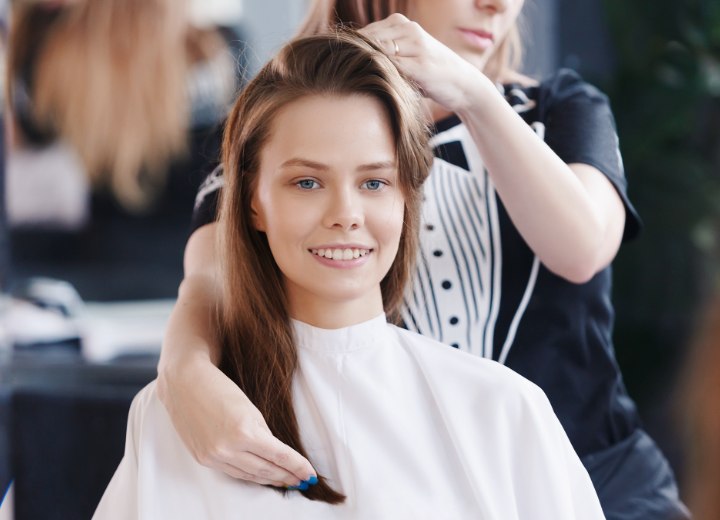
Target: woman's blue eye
(373, 184)
(307, 184)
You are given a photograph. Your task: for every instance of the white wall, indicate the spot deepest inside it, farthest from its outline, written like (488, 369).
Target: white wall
(269, 24)
(539, 26)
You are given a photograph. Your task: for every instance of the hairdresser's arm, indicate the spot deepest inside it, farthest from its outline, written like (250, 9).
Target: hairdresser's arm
(570, 215)
(215, 420)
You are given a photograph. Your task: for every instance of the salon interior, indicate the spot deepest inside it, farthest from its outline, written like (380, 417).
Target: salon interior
(88, 279)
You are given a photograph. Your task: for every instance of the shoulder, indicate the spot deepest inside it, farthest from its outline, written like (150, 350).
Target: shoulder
(142, 407)
(146, 412)
(539, 100)
(469, 373)
(567, 85)
(150, 429)
(144, 401)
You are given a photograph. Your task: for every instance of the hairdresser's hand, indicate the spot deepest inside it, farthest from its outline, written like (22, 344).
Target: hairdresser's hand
(443, 76)
(225, 431)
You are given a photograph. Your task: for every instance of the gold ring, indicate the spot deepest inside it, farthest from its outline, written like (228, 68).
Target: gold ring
(397, 49)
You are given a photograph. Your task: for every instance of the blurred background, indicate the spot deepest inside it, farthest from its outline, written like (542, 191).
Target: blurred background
(90, 259)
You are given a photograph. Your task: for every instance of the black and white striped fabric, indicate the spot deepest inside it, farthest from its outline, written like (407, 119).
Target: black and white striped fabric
(456, 292)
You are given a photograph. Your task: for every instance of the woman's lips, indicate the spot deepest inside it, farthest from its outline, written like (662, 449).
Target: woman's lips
(341, 258)
(479, 39)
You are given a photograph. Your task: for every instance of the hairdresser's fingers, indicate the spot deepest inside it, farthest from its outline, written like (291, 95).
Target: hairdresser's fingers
(396, 28)
(262, 469)
(257, 469)
(403, 48)
(396, 43)
(244, 475)
(449, 82)
(281, 455)
(255, 450)
(439, 72)
(239, 462)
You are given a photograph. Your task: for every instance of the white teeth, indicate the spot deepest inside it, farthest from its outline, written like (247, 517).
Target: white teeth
(340, 254)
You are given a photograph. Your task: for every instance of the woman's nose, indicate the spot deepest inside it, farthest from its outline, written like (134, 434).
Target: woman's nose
(492, 5)
(345, 210)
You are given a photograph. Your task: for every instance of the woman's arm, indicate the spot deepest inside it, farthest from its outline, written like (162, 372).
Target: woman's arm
(216, 421)
(571, 216)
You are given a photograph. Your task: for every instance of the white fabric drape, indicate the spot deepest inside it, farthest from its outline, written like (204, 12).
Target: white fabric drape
(407, 428)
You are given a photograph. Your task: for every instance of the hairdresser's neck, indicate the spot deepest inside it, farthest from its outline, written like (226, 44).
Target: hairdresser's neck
(334, 314)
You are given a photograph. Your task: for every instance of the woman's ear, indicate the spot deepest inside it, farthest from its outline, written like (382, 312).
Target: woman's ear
(258, 221)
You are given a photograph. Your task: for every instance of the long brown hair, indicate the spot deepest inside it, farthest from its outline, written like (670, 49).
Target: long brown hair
(324, 14)
(110, 78)
(258, 349)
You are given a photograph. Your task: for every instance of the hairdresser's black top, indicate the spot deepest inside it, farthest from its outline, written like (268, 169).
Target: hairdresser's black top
(480, 288)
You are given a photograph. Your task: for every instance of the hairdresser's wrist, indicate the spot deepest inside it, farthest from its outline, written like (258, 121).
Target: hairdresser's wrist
(477, 91)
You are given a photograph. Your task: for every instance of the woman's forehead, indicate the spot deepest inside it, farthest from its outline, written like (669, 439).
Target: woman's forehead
(329, 130)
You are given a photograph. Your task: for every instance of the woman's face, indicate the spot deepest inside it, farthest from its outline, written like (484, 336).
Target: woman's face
(471, 28)
(328, 198)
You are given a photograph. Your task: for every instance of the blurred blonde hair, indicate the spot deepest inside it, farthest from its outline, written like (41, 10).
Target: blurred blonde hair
(109, 76)
(325, 14)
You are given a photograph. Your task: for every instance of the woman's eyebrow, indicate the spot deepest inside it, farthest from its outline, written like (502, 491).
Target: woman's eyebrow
(380, 165)
(314, 165)
(305, 163)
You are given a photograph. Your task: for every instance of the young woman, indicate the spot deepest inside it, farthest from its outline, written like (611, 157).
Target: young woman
(319, 228)
(524, 210)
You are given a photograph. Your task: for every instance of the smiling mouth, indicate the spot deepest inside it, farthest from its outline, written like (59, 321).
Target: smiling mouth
(341, 254)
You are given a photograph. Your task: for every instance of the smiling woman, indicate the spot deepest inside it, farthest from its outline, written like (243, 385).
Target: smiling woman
(319, 226)
(343, 201)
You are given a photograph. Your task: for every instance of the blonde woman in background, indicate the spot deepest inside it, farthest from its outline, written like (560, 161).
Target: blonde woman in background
(113, 79)
(107, 77)
(115, 107)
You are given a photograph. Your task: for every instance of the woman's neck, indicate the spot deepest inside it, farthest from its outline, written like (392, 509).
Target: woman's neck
(329, 314)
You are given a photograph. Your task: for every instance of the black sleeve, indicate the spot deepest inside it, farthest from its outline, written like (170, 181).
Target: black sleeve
(580, 128)
(206, 201)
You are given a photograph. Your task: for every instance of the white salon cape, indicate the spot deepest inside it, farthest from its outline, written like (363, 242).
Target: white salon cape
(405, 427)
